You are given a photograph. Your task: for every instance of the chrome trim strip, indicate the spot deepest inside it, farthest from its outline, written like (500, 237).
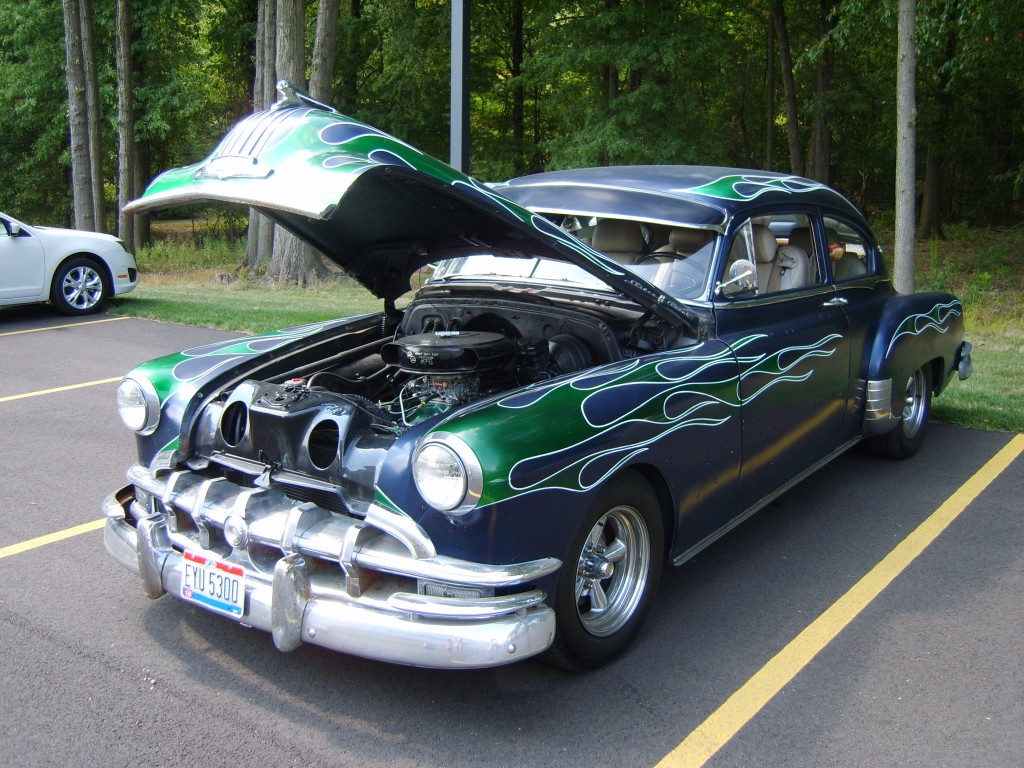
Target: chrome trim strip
(763, 502)
(403, 528)
(478, 608)
(441, 568)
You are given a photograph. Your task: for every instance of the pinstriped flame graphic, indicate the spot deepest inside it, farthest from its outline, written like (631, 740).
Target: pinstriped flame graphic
(935, 319)
(576, 432)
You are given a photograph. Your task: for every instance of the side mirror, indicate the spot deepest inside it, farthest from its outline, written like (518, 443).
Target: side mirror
(13, 228)
(742, 278)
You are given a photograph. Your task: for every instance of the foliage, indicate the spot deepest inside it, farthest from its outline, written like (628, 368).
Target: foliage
(557, 84)
(34, 153)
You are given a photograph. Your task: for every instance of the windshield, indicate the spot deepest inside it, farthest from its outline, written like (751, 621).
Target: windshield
(676, 260)
(682, 276)
(528, 269)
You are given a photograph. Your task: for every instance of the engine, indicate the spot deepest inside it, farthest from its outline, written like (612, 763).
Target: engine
(456, 367)
(322, 436)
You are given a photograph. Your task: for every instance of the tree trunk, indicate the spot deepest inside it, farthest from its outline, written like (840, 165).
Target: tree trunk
(351, 61)
(796, 163)
(259, 243)
(126, 154)
(321, 75)
(610, 72)
(518, 91)
(81, 189)
(906, 114)
(819, 161)
(92, 107)
(143, 173)
(769, 87)
(292, 260)
(931, 222)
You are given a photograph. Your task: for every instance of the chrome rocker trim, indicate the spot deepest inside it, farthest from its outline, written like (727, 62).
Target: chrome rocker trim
(373, 602)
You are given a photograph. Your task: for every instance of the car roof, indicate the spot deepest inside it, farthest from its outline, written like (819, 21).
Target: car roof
(696, 195)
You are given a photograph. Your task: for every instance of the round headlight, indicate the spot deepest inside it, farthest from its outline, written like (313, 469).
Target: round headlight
(138, 406)
(447, 474)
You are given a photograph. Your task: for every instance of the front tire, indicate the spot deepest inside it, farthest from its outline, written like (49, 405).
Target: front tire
(79, 287)
(904, 441)
(609, 578)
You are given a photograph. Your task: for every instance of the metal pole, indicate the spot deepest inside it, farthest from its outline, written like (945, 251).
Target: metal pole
(459, 143)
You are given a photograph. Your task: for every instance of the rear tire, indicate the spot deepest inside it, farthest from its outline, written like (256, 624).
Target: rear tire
(904, 441)
(79, 287)
(609, 578)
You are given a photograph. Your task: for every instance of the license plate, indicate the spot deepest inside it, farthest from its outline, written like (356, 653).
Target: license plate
(213, 584)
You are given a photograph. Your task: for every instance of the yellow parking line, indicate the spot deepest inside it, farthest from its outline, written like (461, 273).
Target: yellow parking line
(59, 389)
(50, 538)
(728, 719)
(66, 325)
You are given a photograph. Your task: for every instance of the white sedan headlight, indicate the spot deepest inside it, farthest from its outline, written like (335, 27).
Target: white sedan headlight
(138, 405)
(447, 474)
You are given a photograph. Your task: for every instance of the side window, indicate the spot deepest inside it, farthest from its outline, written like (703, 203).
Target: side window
(780, 248)
(850, 254)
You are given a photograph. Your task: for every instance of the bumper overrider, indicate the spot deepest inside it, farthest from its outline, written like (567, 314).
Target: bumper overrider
(373, 587)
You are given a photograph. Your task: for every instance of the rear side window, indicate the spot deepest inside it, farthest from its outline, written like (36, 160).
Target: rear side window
(850, 254)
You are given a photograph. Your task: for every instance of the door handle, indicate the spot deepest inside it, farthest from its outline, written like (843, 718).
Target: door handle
(838, 301)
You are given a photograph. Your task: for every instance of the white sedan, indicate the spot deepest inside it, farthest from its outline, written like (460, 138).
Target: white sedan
(76, 271)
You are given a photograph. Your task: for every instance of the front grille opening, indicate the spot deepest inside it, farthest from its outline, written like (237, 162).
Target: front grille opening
(324, 442)
(325, 499)
(233, 423)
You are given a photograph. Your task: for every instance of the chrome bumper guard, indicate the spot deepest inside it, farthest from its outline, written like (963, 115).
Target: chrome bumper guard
(964, 366)
(371, 587)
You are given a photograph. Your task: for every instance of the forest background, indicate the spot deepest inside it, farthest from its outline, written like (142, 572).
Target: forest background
(804, 86)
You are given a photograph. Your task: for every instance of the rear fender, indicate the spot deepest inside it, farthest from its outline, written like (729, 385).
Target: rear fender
(915, 330)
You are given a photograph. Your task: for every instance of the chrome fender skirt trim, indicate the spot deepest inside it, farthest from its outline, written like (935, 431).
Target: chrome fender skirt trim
(878, 415)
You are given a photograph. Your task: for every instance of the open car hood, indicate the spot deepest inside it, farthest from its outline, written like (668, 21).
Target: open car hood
(378, 207)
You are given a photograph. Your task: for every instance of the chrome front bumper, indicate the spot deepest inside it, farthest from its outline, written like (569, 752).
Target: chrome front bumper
(373, 587)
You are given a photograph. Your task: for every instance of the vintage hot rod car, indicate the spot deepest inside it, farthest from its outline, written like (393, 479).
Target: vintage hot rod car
(600, 371)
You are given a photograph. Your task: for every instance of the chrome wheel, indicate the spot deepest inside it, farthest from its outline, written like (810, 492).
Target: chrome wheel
(611, 575)
(915, 407)
(82, 288)
(908, 436)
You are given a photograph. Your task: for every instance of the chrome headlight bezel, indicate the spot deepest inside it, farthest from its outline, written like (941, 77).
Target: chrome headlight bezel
(138, 405)
(469, 481)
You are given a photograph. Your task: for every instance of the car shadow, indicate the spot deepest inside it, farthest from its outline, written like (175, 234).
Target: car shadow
(715, 622)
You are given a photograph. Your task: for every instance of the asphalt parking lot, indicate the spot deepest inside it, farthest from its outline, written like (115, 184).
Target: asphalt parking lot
(930, 672)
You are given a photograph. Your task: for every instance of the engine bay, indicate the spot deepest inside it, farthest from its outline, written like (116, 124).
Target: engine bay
(322, 430)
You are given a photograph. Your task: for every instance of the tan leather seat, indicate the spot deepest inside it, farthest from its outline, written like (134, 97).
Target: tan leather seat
(619, 239)
(765, 248)
(778, 269)
(847, 265)
(790, 269)
(801, 238)
(684, 242)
